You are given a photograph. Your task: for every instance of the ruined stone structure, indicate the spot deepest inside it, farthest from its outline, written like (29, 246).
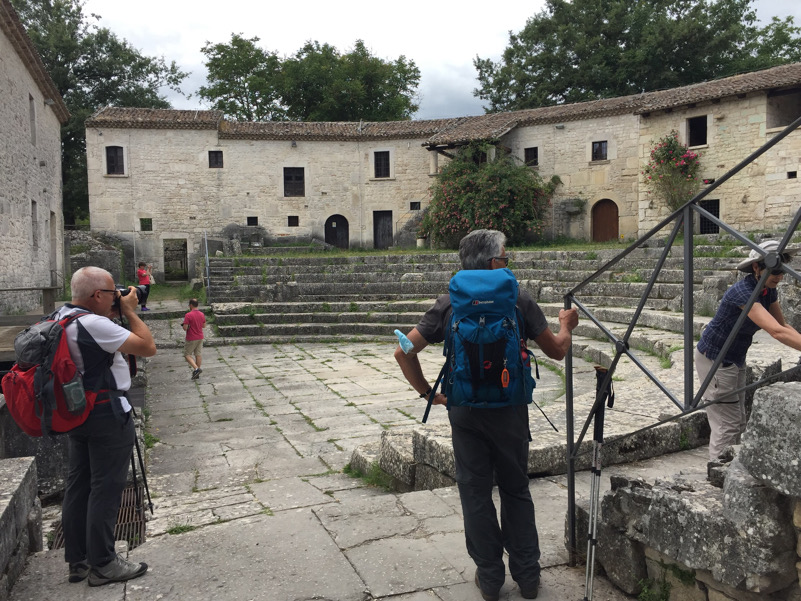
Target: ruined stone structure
(734, 537)
(159, 179)
(31, 221)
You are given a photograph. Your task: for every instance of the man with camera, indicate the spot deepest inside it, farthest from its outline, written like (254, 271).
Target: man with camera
(490, 445)
(100, 448)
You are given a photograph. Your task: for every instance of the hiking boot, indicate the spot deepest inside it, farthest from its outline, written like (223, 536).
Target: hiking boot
(530, 592)
(117, 570)
(145, 309)
(196, 373)
(486, 596)
(79, 571)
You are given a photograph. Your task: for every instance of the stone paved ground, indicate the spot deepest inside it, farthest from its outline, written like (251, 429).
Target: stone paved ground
(251, 502)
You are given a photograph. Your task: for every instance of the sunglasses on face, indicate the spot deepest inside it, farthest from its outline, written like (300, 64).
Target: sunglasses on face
(504, 260)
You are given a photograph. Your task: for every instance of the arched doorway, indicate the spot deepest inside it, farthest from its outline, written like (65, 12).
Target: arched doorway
(604, 221)
(336, 231)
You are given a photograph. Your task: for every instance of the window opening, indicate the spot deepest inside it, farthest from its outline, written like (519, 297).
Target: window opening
(294, 184)
(599, 150)
(696, 131)
(531, 156)
(381, 163)
(215, 159)
(115, 160)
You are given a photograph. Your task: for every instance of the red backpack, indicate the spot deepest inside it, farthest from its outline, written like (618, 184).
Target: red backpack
(44, 391)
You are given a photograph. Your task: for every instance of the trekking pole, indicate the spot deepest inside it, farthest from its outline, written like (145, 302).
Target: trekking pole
(142, 468)
(603, 383)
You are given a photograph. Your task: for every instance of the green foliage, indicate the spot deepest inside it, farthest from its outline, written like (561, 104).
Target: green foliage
(243, 80)
(320, 84)
(653, 590)
(181, 528)
(471, 193)
(375, 477)
(91, 68)
(591, 49)
(671, 174)
(317, 83)
(150, 440)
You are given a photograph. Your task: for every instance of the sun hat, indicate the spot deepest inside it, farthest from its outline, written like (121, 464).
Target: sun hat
(755, 257)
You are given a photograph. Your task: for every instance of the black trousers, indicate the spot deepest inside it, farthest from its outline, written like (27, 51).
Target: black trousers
(487, 444)
(99, 456)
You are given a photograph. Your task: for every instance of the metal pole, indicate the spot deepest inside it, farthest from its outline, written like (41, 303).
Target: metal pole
(208, 270)
(571, 460)
(689, 341)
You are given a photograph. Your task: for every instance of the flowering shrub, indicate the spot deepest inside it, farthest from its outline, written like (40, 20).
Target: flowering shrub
(473, 193)
(672, 173)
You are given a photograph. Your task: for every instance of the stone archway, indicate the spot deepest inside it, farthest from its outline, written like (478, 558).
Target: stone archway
(605, 224)
(337, 232)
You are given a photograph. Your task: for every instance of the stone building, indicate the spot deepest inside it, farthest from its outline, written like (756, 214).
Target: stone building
(161, 179)
(31, 220)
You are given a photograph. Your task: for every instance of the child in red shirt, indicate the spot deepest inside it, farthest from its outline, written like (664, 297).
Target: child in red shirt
(144, 274)
(193, 325)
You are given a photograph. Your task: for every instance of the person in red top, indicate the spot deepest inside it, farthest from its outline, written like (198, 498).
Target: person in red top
(144, 274)
(193, 325)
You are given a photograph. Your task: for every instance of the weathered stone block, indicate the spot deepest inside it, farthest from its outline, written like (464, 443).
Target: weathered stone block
(396, 456)
(768, 453)
(428, 478)
(680, 578)
(797, 513)
(364, 456)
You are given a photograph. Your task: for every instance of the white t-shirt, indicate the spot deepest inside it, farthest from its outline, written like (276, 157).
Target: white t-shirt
(106, 335)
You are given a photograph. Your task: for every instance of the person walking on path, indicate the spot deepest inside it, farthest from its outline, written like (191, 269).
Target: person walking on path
(727, 417)
(100, 448)
(492, 444)
(193, 325)
(144, 276)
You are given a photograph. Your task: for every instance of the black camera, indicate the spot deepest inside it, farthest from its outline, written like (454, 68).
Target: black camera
(125, 291)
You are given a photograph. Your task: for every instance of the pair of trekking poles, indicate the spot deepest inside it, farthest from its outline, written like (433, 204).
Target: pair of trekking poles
(137, 496)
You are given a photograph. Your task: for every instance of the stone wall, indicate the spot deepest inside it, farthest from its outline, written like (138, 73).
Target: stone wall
(20, 519)
(735, 536)
(566, 150)
(759, 197)
(168, 179)
(31, 221)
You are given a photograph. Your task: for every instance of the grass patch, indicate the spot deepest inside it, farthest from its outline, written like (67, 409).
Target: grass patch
(654, 590)
(375, 477)
(150, 440)
(181, 528)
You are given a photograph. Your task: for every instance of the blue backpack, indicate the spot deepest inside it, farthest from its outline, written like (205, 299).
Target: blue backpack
(487, 363)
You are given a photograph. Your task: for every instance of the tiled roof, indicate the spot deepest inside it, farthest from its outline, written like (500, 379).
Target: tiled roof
(455, 131)
(132, 118)
(326, 130)
(768, 79)
(22, 44)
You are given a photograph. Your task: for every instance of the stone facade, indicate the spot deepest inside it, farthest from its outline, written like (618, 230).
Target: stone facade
(167, 185)
(763, 196)
(31, 220)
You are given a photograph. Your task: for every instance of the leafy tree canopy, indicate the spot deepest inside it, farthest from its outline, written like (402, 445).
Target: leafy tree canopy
(91, 68)
(580, 50)
(317, 83)
(472, 192)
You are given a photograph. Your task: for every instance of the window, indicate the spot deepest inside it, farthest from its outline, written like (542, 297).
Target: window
(531, 156)
(792, 174)
(599, 151)
(696, 131)
(381, 163)
(294, 181)
(215, 159)
(115, 160)
(293, 221)
(253, 221)
(32, 118)
(784, 107)
(707, 226)
(414, 205)
(146, 224)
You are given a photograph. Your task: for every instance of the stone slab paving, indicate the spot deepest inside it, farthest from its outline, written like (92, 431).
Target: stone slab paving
(249, 460)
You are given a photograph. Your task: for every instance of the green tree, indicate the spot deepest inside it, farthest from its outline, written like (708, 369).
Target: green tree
(317, 83)
(244, 80)
(472, 192)
(671, 174)
(91, 68)
(320, 84)
(580, 50)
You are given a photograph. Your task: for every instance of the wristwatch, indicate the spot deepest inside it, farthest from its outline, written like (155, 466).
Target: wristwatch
(426, 393)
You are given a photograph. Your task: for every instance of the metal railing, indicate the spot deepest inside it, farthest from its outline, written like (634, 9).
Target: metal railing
(690, 400)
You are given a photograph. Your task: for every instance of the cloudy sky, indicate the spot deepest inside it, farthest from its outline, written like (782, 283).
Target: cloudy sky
(442, 38)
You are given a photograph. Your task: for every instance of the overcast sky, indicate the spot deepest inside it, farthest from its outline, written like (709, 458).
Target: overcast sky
(442, 38)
